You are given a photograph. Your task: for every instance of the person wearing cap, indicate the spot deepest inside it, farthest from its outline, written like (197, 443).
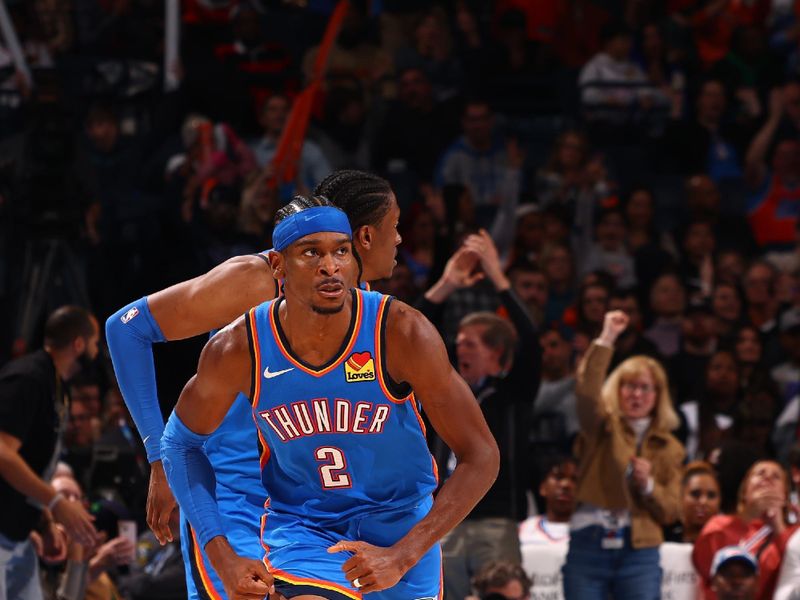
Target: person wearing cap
(629, 469)
(734, 574)
(759, 526)
(332, 372)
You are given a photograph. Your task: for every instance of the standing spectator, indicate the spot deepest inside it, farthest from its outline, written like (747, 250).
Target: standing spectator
(700, 499)
(530, 284)
(415, 115)
(312, 167)
(555, 420)
(629, 474)
(500, 360)
(33, 413)
(480, 160)
(708, 143)
(759, 524)
(774, 202)
(614, 89)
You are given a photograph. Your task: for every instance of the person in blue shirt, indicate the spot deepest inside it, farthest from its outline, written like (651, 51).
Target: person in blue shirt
(209, 302)
(333, 373)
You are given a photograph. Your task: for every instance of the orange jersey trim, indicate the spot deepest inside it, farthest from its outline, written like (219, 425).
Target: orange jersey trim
(201, 567)
(379, 355)
(264, 455)
(357, 307)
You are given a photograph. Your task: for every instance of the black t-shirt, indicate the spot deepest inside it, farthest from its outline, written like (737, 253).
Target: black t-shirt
(31, 412)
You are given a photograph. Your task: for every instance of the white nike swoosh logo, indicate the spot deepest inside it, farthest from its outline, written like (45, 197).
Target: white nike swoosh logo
(311, 218)
(269, 375)
(144, 441)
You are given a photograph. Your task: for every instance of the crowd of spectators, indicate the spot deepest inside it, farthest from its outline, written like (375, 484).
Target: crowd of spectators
(553, 161)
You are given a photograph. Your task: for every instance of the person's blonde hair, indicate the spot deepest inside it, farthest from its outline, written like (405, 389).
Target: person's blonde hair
(664, 416)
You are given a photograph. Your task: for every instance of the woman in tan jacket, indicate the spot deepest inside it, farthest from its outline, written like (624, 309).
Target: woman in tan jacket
(629, 474)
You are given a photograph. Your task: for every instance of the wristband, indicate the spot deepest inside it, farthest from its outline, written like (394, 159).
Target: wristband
(52, 504)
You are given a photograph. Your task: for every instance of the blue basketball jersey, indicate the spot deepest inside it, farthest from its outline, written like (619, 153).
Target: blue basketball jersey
(340, 439)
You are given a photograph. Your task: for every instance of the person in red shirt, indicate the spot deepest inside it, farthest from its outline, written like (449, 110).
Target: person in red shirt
(759, 526)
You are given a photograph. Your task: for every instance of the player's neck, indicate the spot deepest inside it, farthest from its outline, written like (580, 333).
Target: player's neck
(313, 336)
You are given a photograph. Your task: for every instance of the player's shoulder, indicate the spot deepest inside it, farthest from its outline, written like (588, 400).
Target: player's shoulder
(404, 323)
(229, 342)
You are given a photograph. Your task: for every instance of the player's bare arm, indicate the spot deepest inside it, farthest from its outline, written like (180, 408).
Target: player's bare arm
(223, 372)
(197, 306)
(417, 355)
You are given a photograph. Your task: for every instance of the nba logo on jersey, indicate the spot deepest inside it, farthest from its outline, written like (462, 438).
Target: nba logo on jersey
(359, 367)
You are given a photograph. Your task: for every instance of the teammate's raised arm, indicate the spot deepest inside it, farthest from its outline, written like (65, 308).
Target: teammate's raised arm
(224, 371)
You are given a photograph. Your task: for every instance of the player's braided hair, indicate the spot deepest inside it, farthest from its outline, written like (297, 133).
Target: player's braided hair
(299, 204)
(366, 198)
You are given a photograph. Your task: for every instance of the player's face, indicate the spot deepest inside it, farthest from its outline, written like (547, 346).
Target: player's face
(382, 256)
(318, 270)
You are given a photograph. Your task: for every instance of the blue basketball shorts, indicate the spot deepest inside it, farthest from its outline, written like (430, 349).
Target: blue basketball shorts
(297, 555)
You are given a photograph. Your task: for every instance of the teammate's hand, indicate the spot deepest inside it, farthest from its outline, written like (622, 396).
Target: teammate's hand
(77, 521)
(371, 568)
(160, 503)
(245, 578)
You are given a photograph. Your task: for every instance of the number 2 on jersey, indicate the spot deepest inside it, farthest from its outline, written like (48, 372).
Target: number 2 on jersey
(332, 473)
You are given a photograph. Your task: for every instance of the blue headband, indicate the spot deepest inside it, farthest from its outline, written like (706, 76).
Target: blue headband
(310, 220)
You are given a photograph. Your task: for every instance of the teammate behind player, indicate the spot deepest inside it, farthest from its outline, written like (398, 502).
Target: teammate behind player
(209, 302)
(343, 445)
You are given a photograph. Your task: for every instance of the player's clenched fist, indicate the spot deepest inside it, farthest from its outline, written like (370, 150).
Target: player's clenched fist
(371, 568)
(243, 578)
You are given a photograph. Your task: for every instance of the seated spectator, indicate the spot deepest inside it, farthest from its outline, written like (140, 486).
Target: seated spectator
(158, 573)
(312, 166)
(760, 286)
(629, 474)
(650, 248)
(667, 303)
(696, 266)
(499, 580)
(700, 500)
(480, 160)
(728, 307)
(708, 143)
(756, 416)
(730, 266)
(698, 342)
(413, 116)
(749, 352)
(528, 235)
(558, 267)
(787, 373)
(557, 489)
(734, 574)
(759, 525)
(98, 561)
(709, 418)
(79, 440)
(610, 253)
(704, 202)
(593, 299)
(530, 284)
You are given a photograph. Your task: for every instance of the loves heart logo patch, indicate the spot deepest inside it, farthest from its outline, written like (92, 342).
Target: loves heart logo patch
(359, 367)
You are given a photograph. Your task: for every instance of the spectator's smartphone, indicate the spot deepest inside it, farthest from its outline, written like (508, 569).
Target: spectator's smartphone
(127, 529)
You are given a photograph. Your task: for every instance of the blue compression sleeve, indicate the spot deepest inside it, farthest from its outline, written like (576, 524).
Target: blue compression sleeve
(191, 478)
(131, 333)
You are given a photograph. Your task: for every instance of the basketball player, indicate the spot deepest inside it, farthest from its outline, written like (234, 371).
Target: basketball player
(209, 302)
(332, 372)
